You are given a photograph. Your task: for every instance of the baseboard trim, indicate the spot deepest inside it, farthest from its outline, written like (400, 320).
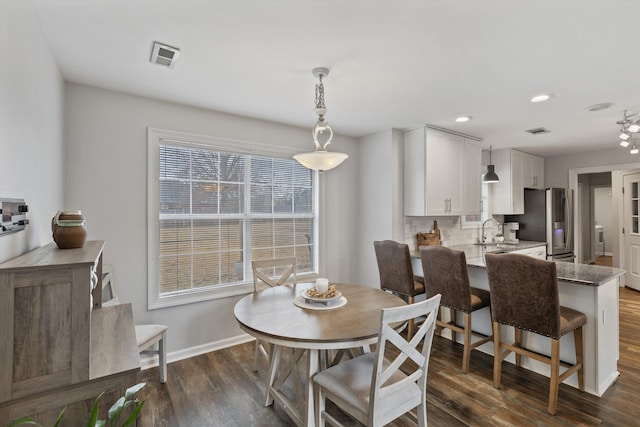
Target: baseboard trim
(151, 361)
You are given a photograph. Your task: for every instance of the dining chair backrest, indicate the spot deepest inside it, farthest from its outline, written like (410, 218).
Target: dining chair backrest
(524, 293)
(394, 391)
(394, 265)
(274, 272)
(445, 272)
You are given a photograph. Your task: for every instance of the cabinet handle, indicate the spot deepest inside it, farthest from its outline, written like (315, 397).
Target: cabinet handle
(481, 206)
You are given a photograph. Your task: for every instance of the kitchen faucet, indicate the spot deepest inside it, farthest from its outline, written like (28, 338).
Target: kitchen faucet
(482, 235)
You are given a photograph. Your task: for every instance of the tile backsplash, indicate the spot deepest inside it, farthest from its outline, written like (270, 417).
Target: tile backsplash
(451, 231)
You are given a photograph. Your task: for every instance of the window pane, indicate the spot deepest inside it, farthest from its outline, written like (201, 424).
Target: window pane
(261, 170)
(231, 198)
(175, 162)
(303, 200)
(261, 233)
(175, 197)
(205, 165)
(282, 199)
(261, 196)
(204, 216)
(205, 197)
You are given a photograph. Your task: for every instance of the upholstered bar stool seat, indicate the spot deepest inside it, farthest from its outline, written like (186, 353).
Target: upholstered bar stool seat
(445, 273)
(524, 294)
(396, 273)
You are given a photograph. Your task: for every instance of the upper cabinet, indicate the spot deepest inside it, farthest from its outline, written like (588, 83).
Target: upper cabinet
(517, 171)
(532, 171)
(441, 173)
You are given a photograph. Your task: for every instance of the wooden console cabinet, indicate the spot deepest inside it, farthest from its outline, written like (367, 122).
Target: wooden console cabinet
(60, 347)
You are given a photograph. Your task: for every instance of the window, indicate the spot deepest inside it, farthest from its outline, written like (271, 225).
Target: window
(214, 205)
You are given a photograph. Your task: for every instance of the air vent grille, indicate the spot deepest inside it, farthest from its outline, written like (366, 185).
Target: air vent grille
(538, 131)
(164, 55)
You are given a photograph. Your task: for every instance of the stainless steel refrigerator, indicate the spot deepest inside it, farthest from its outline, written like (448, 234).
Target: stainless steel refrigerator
(548, 217)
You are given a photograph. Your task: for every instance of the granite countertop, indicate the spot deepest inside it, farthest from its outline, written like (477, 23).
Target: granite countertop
(584, 274)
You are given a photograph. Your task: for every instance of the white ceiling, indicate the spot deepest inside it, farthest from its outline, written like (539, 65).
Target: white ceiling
(394, 64)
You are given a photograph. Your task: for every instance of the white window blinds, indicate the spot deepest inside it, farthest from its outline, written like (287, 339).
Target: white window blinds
(219, 210)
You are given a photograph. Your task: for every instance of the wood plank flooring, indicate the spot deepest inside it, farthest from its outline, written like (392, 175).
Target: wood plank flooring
(221, 389)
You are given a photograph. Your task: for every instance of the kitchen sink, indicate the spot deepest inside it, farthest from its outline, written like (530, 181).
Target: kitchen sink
(496, 244)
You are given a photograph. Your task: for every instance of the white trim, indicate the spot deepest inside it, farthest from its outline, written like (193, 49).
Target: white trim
(150, 361)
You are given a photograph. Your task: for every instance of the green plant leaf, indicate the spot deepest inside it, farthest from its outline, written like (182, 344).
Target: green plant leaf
(134, 415)
(93, 415)
(133, 390)
(116, 409)
(59, 419)
(23, 421)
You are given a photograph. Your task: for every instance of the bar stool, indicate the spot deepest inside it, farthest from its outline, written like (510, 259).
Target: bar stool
(396, 273)
(445, 272)
(524, 294)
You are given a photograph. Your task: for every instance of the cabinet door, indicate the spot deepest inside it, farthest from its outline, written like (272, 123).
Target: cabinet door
(414, 172)
(472, 178)
(517, 182)
(538, 172)
(445, 154)
(532, 171)
(539, 252)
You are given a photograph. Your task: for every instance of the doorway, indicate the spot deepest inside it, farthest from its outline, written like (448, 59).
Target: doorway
(594, 224)
(617, 239)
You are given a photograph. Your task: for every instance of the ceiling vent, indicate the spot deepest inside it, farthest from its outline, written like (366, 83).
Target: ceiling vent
(164, 55)
(538, 131)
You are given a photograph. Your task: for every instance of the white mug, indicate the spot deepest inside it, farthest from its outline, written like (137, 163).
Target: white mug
(322, 285)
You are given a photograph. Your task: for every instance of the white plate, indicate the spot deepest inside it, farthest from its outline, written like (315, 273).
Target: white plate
(303, 294)
(300, 302)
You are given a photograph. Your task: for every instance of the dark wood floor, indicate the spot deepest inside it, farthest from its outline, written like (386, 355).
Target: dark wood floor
(221, 389)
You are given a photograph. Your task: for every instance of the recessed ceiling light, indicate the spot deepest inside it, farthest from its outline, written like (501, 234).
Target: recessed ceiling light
(541, 98)
(600, 107)
(463, 119)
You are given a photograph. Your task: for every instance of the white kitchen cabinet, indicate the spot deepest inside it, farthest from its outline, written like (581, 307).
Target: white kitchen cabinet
(539, 252)
(532, 171)
(441, 173)
(517, 171)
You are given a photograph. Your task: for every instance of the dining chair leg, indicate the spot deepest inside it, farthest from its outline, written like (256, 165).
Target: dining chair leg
(162, 356)
(579, 345)
(555, 373)
(453, 316)
(497, 355)
(518, 343)
(466, 352)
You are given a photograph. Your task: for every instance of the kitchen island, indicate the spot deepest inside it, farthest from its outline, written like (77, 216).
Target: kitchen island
(590, 289)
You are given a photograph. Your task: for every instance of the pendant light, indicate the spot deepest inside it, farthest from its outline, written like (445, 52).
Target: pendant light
(321, 159)
(490, 177)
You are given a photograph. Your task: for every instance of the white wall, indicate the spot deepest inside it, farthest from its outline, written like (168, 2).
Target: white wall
(380, 200)
(556, 169)
(31, 98)
(106, 155)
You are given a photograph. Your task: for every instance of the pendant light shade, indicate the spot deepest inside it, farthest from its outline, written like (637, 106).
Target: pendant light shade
(490, 177)
(321, 159)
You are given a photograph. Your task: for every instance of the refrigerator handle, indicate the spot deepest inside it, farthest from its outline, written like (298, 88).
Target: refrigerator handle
(569, 214)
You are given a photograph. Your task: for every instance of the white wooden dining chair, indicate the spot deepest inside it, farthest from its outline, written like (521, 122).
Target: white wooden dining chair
(272, 272)
(147, 336)
(373, 389)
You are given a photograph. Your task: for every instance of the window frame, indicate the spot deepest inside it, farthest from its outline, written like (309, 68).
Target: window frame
(157, 137)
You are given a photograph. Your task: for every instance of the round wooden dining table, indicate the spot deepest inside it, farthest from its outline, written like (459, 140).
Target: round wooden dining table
(277, 317)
